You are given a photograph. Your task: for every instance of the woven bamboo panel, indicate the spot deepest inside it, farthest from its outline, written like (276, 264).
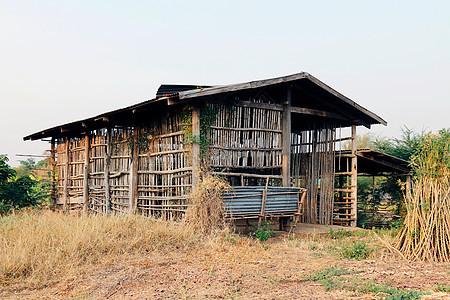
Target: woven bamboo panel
(312, 167)
(246, 138)
(164, 170)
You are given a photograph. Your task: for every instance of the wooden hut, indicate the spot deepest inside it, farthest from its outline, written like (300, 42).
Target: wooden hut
(146, 158)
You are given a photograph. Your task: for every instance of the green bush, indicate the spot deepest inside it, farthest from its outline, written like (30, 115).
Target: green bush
(262, 232)
(20, 189)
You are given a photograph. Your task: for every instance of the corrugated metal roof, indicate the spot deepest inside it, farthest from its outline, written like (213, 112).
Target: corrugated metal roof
(169, 89)
(314, 90)
(375, 162)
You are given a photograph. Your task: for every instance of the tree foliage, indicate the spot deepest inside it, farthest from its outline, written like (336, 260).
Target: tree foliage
(406, 147)
(20, 188)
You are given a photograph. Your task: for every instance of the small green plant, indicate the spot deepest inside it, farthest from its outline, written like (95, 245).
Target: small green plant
(262, 232)
(312, 247)
(338, 234)
(443, 288)
(357, 250)
(331, 278)
(330, 272)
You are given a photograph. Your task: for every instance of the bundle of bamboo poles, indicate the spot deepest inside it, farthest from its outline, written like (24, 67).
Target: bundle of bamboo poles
(426, 232)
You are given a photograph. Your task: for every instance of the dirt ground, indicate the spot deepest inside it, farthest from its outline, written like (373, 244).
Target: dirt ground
(240, 268)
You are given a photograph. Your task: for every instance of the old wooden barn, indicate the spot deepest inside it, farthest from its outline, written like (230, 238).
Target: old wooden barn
(268, 138)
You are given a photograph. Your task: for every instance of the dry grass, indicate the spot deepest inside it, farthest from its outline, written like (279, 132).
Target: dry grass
(134, 257)
(41, 246)
(206, 212)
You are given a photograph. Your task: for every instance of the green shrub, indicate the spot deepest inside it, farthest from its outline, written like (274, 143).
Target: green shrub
(443, 288)
(262, 232)
(357, 250)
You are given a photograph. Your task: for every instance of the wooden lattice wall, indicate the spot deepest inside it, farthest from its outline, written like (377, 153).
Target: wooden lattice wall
(164, 168)
(144, 168)
(149, 167)
(246, 140)
(312, 153)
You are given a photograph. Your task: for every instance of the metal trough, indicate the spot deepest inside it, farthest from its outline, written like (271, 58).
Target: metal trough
(245, 202)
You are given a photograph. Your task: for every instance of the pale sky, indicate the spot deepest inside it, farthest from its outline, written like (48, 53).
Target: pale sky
(62, 61)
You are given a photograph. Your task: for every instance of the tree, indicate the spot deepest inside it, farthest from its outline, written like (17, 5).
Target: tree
(386, 187)
(20, 191)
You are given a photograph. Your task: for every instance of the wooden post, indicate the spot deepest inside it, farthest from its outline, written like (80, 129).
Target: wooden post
(195, 146)
(52, 165)
(86, 174)
(66, 176)
(106, 170)
(354, 180)
(286, 141)
(133, 191)
(262, 213)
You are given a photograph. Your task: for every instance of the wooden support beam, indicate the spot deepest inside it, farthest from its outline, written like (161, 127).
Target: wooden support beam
(133, 192)
(106, 170)
(318, 113)
(354, 177)
(262, 213)
(52, 165)
(66, 176)
(286, 140)
(195, 146)
(86, 174)
(294, 110)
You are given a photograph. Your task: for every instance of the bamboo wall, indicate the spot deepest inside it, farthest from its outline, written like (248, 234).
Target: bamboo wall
(149, 168)
(163, 173)
(246, 140)
(312, 167)
(70, 169)
(164, 170)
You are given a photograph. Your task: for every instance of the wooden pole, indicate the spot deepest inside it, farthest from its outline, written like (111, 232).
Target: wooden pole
(286, 140)
(133, 192)
(263, 202)
(53, 193)
(86, 174)
(195, 146)
(106, 174)
(66, 177)
(354, 179)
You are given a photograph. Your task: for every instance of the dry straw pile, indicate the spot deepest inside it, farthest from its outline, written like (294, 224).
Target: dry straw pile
(206, 211)
(426, 232)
